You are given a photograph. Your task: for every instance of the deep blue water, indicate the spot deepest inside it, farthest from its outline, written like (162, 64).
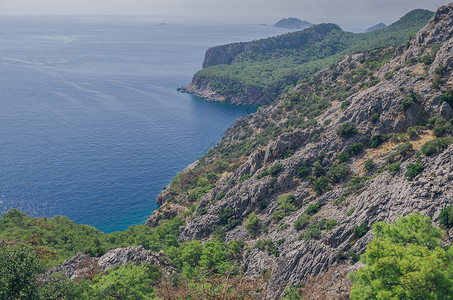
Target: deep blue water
(91, 124)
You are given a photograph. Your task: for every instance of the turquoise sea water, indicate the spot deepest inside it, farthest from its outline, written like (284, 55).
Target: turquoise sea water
(91, 124)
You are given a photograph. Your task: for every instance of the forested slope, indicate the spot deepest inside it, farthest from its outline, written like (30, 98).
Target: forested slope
(257, 72)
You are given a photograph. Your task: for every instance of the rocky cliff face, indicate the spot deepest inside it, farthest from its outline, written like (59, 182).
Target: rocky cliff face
(227, 54)
(205, 88)
(398, 98)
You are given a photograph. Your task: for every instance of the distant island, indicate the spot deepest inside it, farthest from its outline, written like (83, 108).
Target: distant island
(376, 27)
(293, 23)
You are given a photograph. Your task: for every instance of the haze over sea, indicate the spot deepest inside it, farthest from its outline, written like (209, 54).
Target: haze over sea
(92, 126)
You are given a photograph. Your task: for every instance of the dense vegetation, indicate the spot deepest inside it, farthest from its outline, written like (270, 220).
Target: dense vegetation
(406, 260)
(422, 268)
(273, 65)
(30, 245)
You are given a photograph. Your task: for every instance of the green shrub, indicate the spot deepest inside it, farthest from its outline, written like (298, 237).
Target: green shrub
(321, 185)
(287, 153)
(413, 170)
(391, 157)
(446, 217)
(404, 149)
(201, 211)
(355, 148)
(369, 164)
(338, 172)
(412, 133)
(436, 146)
(345, 105)
(408, 101)
(440, 126)
(388, 75)
(285, 207)
(394, 168)
(312, 233)
(313, 208)
(126, 282)
(353, 256)
(269, 246)
(301, 222)
(404, 261)
(317, 169)
(360, 231)
(245, 177)
(303, 171)
(351, 211)
(264, 173)
(343, 156)
(347, 129)
(374, 118)
(282, 226)
(355, 185)
(260, 245)
(221, 196)
(447, 97)
(275, 169)
(19, 266)
(376, 141)
(225, 215)
(253, 224)
(340, 200)
(330, 224)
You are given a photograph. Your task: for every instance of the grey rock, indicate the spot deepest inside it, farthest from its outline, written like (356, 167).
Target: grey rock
(81, 264)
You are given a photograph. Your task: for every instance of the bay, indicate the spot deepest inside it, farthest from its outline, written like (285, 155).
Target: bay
(91, 124)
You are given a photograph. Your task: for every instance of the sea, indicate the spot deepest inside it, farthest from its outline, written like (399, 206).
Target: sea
(92, 126)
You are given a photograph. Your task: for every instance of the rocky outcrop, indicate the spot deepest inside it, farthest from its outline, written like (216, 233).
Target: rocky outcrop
(248, 95)
(82, 265)
(293, 23)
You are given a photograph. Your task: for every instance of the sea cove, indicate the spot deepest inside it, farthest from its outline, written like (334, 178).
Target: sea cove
(92, 126)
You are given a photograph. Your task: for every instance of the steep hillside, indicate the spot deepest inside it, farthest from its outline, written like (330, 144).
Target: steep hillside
(302, 181)
(258, 72)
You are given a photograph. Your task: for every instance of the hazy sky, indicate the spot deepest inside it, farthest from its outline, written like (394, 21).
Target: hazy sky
(266, 11)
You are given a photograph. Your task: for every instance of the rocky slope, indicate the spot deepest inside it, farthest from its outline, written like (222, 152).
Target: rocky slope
(283, 144)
